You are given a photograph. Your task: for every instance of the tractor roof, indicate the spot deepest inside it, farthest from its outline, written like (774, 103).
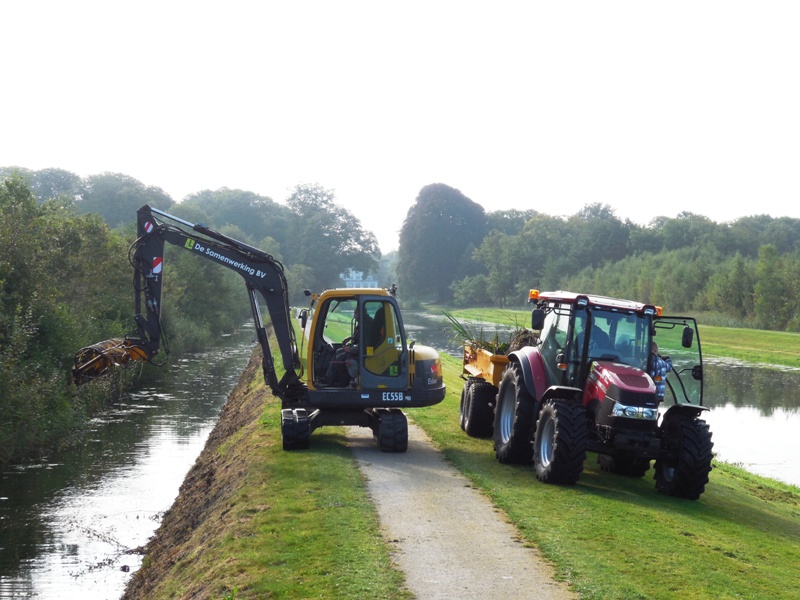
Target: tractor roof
(592, 300)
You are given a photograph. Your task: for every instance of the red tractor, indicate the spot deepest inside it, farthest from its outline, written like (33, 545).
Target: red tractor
(592, 382)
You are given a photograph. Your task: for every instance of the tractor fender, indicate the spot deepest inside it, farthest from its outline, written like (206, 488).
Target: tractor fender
(692, 410)
(533, 373)
(564, 392)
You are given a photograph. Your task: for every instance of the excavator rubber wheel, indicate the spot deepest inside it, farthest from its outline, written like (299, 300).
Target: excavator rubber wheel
(295, 429)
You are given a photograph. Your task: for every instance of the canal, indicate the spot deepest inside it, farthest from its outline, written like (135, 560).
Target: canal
(68, 524)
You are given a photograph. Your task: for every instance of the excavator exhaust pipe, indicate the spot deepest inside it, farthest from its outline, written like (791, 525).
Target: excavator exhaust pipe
(98, 359)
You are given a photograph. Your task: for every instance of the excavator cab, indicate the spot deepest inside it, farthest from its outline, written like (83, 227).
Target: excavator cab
(357, 341)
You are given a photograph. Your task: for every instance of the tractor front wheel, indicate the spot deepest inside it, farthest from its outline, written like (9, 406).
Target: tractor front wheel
(684, 472)
(560, 442)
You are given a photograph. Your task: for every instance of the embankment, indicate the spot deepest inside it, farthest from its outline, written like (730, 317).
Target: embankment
(198, 513)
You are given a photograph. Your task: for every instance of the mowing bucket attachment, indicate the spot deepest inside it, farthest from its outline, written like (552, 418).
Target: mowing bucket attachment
(95, 360)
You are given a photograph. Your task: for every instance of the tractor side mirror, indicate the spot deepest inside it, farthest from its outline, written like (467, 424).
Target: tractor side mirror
(688, 336)
(537, 319)
(303, 316)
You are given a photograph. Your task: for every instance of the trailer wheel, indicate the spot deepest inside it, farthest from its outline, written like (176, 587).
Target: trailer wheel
(295, 429)
(479, 417)
(392, 430)
(463, 406)
(627, 465)
(513, 418)
(560, 442)
(684, 473)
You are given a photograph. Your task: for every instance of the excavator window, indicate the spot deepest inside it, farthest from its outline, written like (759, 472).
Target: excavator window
(382, 340)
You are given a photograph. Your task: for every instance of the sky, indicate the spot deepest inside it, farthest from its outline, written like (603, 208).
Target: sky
(651, 108)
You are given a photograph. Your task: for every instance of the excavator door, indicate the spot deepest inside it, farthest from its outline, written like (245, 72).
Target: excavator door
(384, 348)
(358, 342)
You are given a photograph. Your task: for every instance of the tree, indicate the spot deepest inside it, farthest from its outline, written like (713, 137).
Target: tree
(326, 237)
(49, 183)
(688, 229)
(258, 216)
(436, 233)
(509, 222)
(730, 288)
(598, 236)
(771, 295)
(503, 257)
(117, 197)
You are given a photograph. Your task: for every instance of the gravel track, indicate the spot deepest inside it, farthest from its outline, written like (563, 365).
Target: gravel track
(448, 539)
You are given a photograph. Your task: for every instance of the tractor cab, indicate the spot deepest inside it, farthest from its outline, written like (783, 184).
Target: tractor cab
(580, 334)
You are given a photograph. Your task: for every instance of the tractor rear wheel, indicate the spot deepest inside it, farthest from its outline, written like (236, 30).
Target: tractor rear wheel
(514, 418)
(479, 409)
(560, 442)
(684, 472)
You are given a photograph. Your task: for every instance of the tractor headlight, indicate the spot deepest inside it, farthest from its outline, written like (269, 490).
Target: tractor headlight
(634, 412)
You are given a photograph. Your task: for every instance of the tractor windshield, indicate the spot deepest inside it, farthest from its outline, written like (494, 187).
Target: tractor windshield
(613, 335)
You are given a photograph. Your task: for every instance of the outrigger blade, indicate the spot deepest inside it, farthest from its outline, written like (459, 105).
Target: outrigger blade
(100, 358)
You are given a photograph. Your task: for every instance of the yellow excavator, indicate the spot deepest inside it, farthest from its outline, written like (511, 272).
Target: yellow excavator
(361, 369)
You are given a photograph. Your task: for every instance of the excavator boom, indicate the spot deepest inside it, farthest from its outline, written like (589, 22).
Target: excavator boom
(263, 277)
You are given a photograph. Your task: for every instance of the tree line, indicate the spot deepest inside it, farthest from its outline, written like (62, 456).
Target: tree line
(745, 273)
(66, 281)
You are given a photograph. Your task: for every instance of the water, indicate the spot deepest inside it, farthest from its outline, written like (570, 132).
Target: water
(755, 409)
(68, 524)
(755, 416)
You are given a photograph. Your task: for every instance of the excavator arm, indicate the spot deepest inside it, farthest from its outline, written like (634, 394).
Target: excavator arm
(263, 275)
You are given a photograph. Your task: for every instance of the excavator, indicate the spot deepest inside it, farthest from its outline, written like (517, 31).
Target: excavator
(360, 367)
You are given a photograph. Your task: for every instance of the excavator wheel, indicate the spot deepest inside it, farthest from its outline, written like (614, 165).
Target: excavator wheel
(392, 430)
(295, 429)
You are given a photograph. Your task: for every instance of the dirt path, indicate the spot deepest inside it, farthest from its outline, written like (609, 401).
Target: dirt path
(449, 540)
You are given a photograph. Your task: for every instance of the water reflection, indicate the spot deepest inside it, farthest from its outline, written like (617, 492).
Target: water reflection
(68, 523)
(743, 385)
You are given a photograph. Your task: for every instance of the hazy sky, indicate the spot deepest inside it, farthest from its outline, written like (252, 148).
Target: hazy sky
(652, 108)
